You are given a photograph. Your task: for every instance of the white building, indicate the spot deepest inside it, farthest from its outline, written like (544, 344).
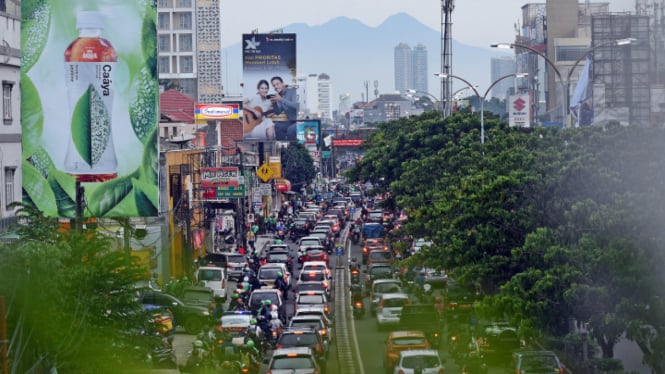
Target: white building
(10, 132)
(189, 46)
(502, 66)
(315, 96)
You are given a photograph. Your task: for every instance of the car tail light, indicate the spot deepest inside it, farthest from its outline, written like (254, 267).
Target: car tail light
(359, 304)
(223, 283)
(322, 332)
(319, 348)
(385, 247)
(246, 370)
(365, 250)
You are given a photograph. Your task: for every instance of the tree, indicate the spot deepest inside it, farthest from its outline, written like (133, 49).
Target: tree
(297, 165)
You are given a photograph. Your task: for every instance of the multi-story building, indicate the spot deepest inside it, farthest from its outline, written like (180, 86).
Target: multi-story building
(410, 68)
(189, 46)
(10, 132)
(500, 67)
(315, 96)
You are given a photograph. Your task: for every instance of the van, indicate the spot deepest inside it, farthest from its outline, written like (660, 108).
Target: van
(213, 277)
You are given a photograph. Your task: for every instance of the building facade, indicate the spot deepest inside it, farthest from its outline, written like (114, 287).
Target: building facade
(500, 67)
(419, 64)
(315, 96)
(410, 68)
(189, 47)
(10, 132)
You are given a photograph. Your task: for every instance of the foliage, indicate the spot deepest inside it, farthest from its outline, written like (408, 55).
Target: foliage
(70, 298)
(557, 226)
(297, 165)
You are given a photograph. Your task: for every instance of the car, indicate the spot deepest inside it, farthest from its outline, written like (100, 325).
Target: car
(337, 211)
(402, 340)
(237, 324)
(317, 310)
(311, 286)
(375, 215)
(379, 271)
(316, 265)
(419, 361)
(495, 341)
(314, 276)
(316, 322)
(379, 287)
(536, 362)
(257, 298)
(324, 238)
(312, 298)
(280, 257)
(268, 273)
(201, 296)
(302, 337)
(293, 360)
(192, 317)
(380, 256)
(213, 277)
(301, 226)
(307, 241)
(418, 244)
(316, 253)
(233, 262)
(370, 244)
(336, 223)
(389, 309)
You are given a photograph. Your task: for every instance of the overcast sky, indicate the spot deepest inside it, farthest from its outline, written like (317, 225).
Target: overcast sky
(475, 22)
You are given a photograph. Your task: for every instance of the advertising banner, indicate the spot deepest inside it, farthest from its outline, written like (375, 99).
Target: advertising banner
(270, 99)
(89, 102)
(308, 132)
(205, 112)
(519, 112)
(223, 176)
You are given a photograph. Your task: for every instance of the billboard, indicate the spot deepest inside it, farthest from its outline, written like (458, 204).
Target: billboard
(308, 132)
(205, 112)
(270, 98)
(89, 102)
(519, 112)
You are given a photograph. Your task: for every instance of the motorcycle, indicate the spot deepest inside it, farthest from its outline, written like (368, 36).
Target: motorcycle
(358, 309)
(355, 235)
(355, 276)
(281, 234)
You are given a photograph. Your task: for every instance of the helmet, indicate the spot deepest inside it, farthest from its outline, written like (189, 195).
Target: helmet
(235, 296)
(197, 344)
(250, 344)
(239, 300)
(267, 302)
(274, 314)
(252, 321)
(246, 279)
(437, 299)
(279, 274)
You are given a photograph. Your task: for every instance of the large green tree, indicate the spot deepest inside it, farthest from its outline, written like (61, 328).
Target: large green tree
(297, 165)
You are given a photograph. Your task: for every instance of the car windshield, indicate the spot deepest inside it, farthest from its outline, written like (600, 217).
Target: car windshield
(409, 341)
(387, 287)
(306, 324)
(210, 275)
(298, 362)
(538, 362)
(311, 287)
(310, 299)
(380, 270)
(376, 215)
(235, 320)
(256, 301)
(424, 361)
(268, 273)
(383, 255)
(297, 340)
(305, 243)
(236, 259)
(197, 295)
(278, 257)
(394, 303)
(314, 252)
(312, 276)
(314, 268)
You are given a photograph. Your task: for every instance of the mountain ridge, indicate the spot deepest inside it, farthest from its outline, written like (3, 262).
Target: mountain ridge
(351, 53)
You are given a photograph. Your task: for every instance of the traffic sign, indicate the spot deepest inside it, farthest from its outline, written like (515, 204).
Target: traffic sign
(264, 172)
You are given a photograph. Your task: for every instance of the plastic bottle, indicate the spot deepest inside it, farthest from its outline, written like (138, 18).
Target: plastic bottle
(90, 63)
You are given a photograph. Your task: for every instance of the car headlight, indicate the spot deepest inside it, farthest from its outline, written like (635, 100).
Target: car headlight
(206, 313)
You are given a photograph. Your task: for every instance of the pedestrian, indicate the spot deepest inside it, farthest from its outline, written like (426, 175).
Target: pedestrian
(251, 238)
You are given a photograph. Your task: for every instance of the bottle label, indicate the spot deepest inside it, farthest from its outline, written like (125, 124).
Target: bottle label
(90, 92)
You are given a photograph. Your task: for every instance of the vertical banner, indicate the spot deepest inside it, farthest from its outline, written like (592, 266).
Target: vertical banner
(518, 111)
(270, 98)
(89, 102)
(309, 132)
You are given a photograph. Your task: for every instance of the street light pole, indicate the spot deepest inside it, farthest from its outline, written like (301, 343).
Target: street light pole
(548, 61)
(411, 92)
(483, 97)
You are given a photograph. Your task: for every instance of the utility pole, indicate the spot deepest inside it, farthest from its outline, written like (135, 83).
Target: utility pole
(3, 336)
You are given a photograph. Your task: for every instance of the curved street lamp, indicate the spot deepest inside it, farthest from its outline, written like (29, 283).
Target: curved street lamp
(412, 92)
(558, 73)
(483, 97)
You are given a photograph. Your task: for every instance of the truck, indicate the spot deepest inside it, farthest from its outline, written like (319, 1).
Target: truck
(425, 318)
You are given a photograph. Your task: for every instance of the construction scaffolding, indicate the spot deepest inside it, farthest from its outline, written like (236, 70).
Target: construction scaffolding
(621, 74)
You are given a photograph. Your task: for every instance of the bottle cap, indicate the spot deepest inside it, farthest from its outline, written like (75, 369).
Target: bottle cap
(89, 20)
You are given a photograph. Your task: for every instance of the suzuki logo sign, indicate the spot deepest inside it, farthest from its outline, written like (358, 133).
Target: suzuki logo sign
(519, 104)
(519, 114)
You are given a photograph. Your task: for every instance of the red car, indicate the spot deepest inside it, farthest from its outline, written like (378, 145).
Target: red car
(315, 253)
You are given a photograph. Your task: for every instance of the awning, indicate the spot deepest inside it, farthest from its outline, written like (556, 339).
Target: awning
(282, 185)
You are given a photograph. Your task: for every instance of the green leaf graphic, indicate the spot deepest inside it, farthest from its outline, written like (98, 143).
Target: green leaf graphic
(32, 117)
(150, 161)
(143, 110)
(91, 126)
(34, 31)
(149, 41)
(42, 161)
(37, 188)
(147, 198)
(64, 189)
(108, 195)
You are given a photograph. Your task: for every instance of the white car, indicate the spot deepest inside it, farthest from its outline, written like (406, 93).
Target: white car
(426, 361)
(213, 277)
(316, 265)
(419, 244)
(268, 273)
(389, 309)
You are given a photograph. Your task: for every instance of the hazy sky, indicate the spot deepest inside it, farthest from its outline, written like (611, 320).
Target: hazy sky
(475, 22)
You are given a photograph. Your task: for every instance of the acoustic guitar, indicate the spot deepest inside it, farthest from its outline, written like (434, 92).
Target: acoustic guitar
(251, 119)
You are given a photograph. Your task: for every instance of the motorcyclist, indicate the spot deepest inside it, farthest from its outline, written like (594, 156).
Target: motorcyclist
(280, 284)
(356, 292)
(249, 355)
(276, 325)
(263, 316)
(236, 303)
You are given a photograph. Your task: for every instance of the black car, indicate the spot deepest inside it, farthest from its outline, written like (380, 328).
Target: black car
(302, 337)
(193, 318)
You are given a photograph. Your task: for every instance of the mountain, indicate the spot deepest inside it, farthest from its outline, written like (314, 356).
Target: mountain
(351, 53)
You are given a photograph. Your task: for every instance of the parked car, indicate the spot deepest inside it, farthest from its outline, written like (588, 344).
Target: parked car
(213, 277)
(419, 361)
(293, 360)
(201, 296)
(398, 341)
(192, 317)
(537, 362)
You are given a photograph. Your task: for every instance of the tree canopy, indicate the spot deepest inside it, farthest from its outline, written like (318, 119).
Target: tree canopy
(297, 165)
(556, 225)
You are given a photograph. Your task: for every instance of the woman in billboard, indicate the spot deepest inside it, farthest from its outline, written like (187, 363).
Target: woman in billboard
(257, 111)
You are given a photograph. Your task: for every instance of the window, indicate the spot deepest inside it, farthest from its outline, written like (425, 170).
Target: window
(9, 185)
(163, 21)
(164, 65)
(185, 21)
(163, 3)
(7, 101)
(185, 42)
(184, 3)
(164, 43)
(186, 64)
